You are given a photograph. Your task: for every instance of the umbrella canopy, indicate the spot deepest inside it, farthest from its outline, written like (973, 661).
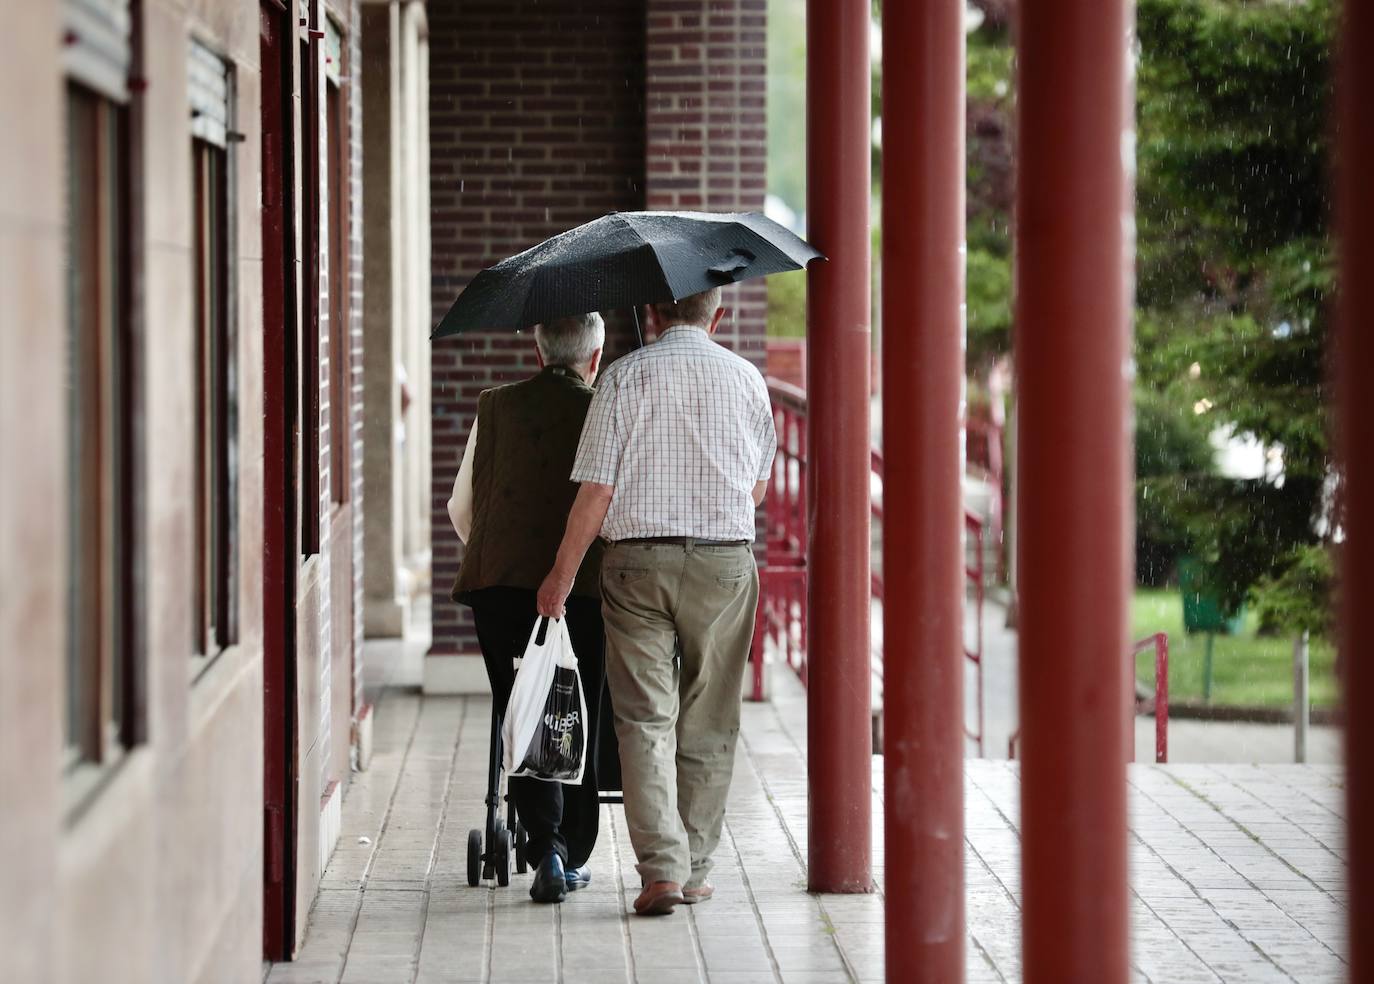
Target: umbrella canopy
(623, 260)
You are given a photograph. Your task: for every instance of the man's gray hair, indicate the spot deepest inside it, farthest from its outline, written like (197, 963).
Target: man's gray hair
(698, 309)
(570, 341)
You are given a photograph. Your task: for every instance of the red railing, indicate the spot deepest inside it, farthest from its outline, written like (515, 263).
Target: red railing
(1159, 642)
(782, 596)
(782, 581)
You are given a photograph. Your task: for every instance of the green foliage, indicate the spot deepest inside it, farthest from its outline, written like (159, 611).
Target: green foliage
(1231, 126)
(787, 101)
(1234, 268)
(989, 304)
(1170, 439)
(1242, 530)
(787, 305)
(990, 191)
(989, 66)
(989, 167)
(1170, 445)
(1234, 272)
(1263, 377)
(1284, 601)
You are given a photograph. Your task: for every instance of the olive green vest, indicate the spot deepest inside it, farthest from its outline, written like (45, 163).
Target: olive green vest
(527, 436)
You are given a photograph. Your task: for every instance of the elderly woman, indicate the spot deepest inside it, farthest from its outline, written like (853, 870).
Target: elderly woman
(510, 504)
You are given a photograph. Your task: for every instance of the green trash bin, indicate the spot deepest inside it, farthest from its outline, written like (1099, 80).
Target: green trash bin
(1202, 612)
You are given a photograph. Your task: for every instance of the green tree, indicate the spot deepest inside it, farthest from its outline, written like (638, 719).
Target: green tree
(988, 131)
(787, 102)
(990, 188)
(787, 305)
(1234, 268)
(1171, 449)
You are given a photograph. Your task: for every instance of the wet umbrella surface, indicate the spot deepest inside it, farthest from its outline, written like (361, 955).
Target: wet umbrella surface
(623, 260)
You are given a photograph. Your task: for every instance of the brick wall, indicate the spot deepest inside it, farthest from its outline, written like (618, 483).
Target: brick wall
(544, 115)
(536, 124)
(706, 128)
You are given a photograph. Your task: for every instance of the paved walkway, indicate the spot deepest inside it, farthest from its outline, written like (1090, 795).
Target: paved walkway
(1238, 875)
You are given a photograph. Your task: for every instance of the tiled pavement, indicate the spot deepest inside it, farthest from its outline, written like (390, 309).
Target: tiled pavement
(1237, 871)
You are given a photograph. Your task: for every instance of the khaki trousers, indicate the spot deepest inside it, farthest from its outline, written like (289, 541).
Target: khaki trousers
(677, 725)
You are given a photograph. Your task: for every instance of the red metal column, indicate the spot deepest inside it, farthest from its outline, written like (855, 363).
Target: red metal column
(923, 569)
(839, 736)
(1355, 341)
(1072, 346)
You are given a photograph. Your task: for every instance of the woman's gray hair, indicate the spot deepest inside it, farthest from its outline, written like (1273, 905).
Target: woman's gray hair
(570, 341)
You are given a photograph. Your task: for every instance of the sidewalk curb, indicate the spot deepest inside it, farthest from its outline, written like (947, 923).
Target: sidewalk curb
(1198, 711)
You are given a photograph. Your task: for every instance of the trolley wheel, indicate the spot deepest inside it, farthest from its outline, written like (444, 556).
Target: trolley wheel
(474, 857)
(522, 840)
(504, 842)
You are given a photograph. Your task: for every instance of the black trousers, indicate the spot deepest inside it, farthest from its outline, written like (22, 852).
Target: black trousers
(556, 817)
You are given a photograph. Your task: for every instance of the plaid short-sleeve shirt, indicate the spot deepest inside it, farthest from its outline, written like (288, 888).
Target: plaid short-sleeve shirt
(682, 429)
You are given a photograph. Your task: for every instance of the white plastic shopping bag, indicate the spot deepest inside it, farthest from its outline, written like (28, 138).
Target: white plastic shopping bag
(545, 729)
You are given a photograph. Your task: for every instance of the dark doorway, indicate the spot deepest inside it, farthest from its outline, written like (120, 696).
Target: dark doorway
(281, 399)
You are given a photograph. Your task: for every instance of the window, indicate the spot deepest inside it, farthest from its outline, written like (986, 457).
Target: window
(102, 680)
(336, 157)
(214, 470)
(311, 286)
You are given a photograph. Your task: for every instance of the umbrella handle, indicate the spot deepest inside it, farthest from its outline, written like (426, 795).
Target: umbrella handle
(639, 332)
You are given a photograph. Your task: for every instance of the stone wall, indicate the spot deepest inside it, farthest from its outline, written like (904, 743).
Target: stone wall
(149, 865)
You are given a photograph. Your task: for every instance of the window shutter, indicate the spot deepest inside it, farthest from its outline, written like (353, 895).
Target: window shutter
(96, 48)
(333, 51)
(207, 76)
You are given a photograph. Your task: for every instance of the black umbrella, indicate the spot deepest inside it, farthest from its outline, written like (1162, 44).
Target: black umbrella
(623, 260)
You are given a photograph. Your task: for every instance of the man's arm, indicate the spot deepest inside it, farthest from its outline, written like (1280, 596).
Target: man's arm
(760, 490)
(460, 502)
(584, 524)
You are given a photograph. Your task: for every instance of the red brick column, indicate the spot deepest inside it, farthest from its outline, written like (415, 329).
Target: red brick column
(536, 125)
(706, 128)
(543, 116)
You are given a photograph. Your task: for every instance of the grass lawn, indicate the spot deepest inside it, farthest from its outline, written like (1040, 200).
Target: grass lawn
(1246, 669)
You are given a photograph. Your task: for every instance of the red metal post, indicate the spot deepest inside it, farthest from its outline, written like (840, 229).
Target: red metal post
(1161, 697)
(923, 519)
(839, 735)
(1355, 348)
(1072, 346)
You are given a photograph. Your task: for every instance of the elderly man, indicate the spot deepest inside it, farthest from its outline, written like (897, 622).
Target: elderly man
(675, 456)
(509, 506)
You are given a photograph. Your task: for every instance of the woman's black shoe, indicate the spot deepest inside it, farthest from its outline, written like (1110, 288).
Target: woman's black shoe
(577, 877)
(550, 882)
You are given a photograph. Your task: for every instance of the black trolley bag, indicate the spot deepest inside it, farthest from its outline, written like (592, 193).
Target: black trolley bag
(491, 851)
